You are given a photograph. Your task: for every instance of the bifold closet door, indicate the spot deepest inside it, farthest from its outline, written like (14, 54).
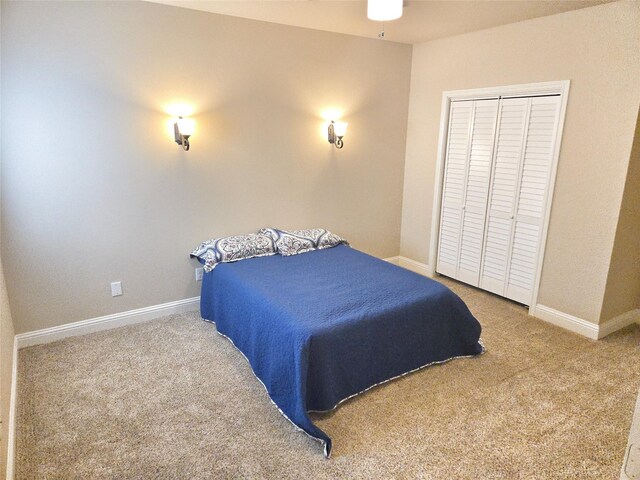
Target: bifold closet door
(512, 123)
(472, 127)
(520, 180)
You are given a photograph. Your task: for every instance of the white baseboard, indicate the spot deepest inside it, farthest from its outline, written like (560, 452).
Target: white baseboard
(395, 260)
(583, 327)
(421, 268)
(555, 317)
(621, 321)
(13, 403)
(566, 321)
(130, 317)
(409, 264)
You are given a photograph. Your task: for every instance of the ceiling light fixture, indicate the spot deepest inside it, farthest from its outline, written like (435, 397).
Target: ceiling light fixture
(384, 10)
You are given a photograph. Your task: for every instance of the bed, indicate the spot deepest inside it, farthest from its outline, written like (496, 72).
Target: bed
(320, 327)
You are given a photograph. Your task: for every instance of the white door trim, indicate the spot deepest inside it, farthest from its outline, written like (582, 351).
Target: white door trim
(530, 89)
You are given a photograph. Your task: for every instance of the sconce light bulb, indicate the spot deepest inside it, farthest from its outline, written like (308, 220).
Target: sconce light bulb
(340, 128)
(185, 126)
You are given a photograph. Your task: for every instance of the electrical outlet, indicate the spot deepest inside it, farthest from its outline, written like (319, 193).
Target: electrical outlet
(199, 274)
(116, 289)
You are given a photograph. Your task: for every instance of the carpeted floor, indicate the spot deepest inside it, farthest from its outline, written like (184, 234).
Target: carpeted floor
(171, 399)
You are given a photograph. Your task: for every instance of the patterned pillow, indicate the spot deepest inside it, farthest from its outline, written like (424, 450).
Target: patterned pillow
(232, 249)
(293, 242)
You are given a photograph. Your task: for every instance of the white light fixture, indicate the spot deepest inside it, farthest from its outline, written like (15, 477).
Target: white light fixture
(183, 129)
(336, 132)
(384, 10)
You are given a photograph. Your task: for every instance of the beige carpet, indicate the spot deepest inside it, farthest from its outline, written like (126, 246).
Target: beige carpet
(171, 399)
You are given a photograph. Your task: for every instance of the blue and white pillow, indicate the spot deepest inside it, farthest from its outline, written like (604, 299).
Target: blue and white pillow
(293, 242)
(328, 240)
(232, 249)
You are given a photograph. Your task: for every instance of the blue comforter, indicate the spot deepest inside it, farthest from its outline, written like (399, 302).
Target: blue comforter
(322, 326)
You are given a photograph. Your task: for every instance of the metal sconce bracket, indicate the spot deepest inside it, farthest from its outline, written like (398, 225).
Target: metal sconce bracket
(333, 139)
(181, 139)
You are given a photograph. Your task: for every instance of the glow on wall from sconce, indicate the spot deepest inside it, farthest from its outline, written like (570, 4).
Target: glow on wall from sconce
(332, 114)
(179, 110)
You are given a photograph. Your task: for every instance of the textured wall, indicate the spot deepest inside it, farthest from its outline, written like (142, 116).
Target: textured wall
(95, 190)
(623, 283)
(597, 49)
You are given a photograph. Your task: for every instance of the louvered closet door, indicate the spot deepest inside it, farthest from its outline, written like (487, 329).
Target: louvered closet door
(477, 187)
(460, 118)
(511, 135)
(520, 179)
(466, 183)
(531, 200)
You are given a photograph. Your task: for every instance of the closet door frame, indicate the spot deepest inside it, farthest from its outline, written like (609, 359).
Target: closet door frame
(524, 90)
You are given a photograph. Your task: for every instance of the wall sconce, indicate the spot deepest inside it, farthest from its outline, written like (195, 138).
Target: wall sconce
(183, 128)
(336, 132)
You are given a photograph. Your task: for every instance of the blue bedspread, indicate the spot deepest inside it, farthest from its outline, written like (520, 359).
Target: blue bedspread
(322, 326)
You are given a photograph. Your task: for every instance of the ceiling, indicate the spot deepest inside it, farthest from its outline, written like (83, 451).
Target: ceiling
(422, 20)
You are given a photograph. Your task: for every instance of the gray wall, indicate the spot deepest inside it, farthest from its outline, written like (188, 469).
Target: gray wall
(94, 189)
(597, 49)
